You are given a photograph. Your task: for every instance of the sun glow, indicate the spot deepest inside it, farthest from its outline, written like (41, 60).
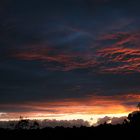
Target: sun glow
(88, 109)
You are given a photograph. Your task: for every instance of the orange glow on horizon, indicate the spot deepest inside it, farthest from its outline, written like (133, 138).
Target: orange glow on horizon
(86, 108)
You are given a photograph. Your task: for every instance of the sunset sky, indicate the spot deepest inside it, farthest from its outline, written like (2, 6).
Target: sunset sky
(69, 59)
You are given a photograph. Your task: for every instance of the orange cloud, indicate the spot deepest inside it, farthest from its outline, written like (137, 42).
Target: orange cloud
(117, 104)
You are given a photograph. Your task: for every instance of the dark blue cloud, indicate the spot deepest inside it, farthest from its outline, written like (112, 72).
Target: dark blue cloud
(72, 29)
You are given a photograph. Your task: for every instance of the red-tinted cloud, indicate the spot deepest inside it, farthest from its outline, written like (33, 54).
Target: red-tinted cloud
(123, 55)
(112, 53)
(56, 60)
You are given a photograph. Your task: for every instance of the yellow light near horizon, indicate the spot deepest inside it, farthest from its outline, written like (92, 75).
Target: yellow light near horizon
(91, 118)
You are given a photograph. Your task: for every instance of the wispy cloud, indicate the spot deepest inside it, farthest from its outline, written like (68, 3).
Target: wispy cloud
(113, 53)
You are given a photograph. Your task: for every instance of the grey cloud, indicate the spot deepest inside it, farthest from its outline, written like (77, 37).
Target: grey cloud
(112, 120)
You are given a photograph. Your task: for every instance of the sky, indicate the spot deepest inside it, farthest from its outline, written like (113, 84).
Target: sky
(69, 59)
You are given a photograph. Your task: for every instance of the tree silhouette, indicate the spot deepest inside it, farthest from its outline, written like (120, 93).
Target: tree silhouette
(134, 119)
(35, 125)
(22, 124)
(138, 106)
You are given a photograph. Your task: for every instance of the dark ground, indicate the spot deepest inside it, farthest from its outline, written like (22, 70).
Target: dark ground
(101, 132)
(130, 129)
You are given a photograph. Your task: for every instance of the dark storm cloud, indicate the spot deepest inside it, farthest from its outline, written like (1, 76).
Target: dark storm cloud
(55, 50)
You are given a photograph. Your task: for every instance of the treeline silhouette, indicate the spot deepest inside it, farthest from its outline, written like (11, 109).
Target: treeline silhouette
(129, 128)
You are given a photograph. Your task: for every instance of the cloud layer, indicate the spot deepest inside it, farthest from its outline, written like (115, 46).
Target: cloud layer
(69, 57)
(113, 53)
